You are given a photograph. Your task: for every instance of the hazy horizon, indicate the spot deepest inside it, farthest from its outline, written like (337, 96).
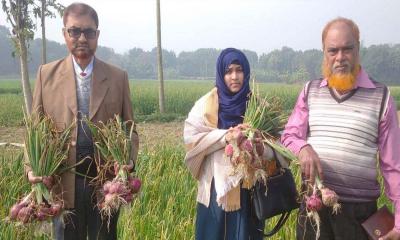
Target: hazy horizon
(260, 26)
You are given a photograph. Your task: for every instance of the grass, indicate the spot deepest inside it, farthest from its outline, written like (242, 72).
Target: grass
(167, 203)
(12, 186)
(165, 209)
(166, 206)
(12, 114)
(180, 96)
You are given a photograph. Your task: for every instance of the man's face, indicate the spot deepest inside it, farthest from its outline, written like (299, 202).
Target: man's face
(341, 59)
(340, 50)
(82, 46)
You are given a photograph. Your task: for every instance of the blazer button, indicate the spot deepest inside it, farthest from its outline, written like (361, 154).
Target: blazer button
(73, 143)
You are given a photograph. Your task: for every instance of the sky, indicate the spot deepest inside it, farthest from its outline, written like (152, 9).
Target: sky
(258, 25)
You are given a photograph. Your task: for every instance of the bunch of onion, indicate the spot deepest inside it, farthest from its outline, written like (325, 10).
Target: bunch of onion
(113, 146)
(245, 156)
(46, 147)
(264, 119)
(320, 196)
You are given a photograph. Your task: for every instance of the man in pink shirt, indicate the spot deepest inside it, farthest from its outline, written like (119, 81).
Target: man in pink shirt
(338, 128)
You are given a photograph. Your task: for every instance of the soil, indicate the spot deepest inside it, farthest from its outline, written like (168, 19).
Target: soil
(150, 134)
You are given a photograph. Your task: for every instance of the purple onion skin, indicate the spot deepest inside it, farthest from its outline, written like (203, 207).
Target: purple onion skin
(41, 216)
(115, 187)
(106, 187)
(121, 189)
(229, 150)
(15, 210)
(128, 197)
(25, 215)
(109, 197)
(55, 209)
(48, 182)
(135, 185)
(313, 203)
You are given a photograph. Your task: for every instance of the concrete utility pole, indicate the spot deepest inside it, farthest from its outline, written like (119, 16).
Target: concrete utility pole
(159, 61)
(43, 22)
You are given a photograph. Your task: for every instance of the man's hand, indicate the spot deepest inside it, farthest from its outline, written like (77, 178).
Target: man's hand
(126, 167)
(392, 235)
(34, 179)
(48, 181)
(310, 163)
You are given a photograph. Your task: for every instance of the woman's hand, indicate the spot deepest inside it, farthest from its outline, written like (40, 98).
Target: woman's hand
(258, 142)
(235, 133)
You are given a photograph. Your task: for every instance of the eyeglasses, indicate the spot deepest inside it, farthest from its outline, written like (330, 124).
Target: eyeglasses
(89, 33)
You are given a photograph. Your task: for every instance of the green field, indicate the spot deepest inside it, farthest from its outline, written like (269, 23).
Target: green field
(166, 206)
(179, 98)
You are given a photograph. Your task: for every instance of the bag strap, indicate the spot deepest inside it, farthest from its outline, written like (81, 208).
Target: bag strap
(278, 164)
(278, 225)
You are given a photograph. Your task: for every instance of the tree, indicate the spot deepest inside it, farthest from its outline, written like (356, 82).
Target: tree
(7, 63)
(17, 12)
(198, 64)
(18, 15)
(159, 61)
(43, 11)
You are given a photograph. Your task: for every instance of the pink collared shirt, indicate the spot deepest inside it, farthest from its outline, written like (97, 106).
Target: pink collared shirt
(294, 137)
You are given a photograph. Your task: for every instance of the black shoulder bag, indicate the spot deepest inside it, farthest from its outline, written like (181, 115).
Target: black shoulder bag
(278, 197)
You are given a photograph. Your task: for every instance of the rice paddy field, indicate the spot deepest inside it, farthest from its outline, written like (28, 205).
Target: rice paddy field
(166, 206)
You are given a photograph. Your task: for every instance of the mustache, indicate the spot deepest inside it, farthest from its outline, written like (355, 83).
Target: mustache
(341, 65)
(81, 45)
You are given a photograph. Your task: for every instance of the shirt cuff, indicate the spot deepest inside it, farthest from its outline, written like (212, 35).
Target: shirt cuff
(396, 204)
(295, 148)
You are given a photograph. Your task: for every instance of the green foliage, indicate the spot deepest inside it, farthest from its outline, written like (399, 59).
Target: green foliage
(283, 65)
(13, 185)
(49, 4)
(180, 96)
(113, 143)
(165, 208)
(11, 110)
(18, 15)
(45, 144)
(264, 114)
(158, 117)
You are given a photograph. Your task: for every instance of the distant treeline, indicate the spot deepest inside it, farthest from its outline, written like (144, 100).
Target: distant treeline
(285, 65)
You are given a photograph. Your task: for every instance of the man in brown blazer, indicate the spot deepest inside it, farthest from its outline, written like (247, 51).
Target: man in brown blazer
(68, 90)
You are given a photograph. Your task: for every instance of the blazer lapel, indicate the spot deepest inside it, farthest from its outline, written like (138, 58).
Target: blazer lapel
(99, 88)
(68, 85)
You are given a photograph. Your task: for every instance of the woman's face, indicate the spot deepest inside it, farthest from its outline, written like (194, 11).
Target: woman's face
(234, 78)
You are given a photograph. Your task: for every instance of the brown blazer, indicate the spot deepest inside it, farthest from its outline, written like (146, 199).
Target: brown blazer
(55, 95)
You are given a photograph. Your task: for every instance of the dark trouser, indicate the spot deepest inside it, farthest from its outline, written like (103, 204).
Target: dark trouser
(213, 223)
(346, 225)
(84, 221)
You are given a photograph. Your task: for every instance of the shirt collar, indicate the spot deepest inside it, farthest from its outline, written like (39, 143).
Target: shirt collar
(363, 80)
(87, 71)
